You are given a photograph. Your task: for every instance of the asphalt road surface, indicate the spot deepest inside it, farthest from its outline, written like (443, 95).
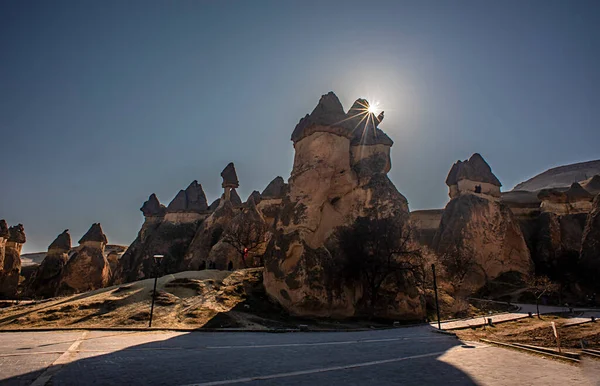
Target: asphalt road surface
(403, 356)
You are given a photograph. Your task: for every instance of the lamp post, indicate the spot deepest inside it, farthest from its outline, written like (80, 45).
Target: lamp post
(437, 304)
(156, 262)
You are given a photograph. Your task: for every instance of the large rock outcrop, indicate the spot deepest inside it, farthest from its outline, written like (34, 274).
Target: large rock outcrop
(87, 269)
(473, 176)
(47, 277)
(339, 175)
(571, 201)
(11, 267)
(480, 227)
(589, 261)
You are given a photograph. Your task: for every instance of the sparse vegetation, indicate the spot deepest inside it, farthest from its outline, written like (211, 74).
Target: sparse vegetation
(374, 250)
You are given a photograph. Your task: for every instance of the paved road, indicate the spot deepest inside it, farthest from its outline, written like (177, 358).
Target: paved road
(524, 310)
(407, 356)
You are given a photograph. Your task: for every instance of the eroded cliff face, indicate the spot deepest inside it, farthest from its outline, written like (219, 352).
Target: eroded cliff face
(339, 174)
(485, 230)
(589, 263)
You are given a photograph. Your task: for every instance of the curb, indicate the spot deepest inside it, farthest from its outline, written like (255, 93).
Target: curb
(444, 332)
(153, 329)
(532, 350)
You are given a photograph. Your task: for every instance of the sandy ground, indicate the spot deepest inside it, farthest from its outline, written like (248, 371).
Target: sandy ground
(184, 300)
(538, 332)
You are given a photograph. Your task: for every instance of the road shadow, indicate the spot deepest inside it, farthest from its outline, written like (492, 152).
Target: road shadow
(407, 356)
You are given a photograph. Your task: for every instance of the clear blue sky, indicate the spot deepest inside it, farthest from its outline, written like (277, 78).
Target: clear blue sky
(105, 102)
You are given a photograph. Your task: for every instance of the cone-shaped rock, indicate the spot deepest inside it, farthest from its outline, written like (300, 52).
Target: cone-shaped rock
(235, 198)
(592, 185)
(363, 125)
(230, 178)
(328, 116)
(192, 199)
(255, 197)
(214, 205)
(474, 169)
(153, 207)
(62, 242)
(94, 234)
(275, 189)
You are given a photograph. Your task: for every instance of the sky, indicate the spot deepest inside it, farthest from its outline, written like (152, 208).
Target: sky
(104, 102)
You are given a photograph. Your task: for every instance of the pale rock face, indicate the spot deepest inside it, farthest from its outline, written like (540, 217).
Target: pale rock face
(590, 247)
(485, 229)
(331, 185)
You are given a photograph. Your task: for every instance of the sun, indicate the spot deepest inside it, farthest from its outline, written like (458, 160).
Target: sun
(373, 108)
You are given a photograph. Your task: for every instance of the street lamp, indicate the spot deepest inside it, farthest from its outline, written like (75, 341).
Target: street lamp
(156, 262)
(437, 304)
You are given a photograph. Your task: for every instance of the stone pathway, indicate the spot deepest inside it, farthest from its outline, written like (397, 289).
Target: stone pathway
(523, 312)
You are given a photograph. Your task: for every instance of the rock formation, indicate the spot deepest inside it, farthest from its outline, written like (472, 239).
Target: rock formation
(574, 200)
(185, 235)
(230, 182)
(207, 249)
(271, 200)
(339, 175)
(589, 262)
(235, 199)
(11, 267)
(188, 206)
(3, 238)
(254, 196)
(480, 226)
(167, 234)
(473, 176)
(592, 185)
(208, 235)
(87, 269)
(48, 275)
(153, 208)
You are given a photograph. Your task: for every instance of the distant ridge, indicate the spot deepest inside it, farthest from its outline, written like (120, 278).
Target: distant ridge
(561, 176)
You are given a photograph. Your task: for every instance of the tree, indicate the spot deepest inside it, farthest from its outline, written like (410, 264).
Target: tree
(540, 285)
(246, 236)
(458, 261)
(376, 249)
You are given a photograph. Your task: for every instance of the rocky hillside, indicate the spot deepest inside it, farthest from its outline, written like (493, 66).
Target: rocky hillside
(562, 176)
